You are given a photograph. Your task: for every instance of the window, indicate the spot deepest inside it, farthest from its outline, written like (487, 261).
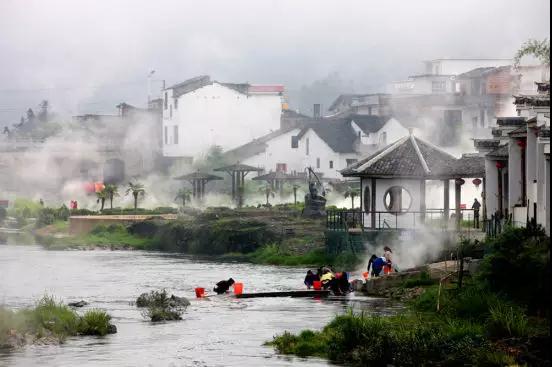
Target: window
(331, 164)
(175, 134)
(367, 199)
(166, 135)
(281, 167)
(397, 200)
(176, 103)
(438, 87)
(295, 142)
(308, 146)
(383, 138)
(170, 112)
(166, 101)
(351, 161)
(317, 162)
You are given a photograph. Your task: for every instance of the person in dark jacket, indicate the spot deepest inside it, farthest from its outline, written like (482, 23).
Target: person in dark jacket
(476, 206)
(223, 286)
(310, 278)
(377, 264)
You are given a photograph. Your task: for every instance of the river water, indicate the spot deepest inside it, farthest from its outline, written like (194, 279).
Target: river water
(216, 331)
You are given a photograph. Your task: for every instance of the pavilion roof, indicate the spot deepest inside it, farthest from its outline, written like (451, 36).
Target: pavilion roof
(238, 167)
(278, 175)
(198, 176)
(499, 153)
(412, 157)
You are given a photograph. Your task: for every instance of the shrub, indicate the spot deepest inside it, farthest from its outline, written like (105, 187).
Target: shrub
(423, 280)
(507, 321)
(96, 322)
(24, 208)
(160, 307)
(55, 317)
(513, 256)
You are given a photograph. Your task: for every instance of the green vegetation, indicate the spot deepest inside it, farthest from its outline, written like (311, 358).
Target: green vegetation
(272, 255)
(137, 190)
(49, 320)
(498, 317)
(160, 307)
(183, 195)
(538, 49)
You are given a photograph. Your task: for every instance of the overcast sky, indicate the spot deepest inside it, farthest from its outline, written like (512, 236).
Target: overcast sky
(86, 56)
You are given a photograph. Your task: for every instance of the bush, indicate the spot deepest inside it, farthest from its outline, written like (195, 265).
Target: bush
(423, 280)
(55, 317)
(513, 256)
(507, 321)
(96, 322)
(24, 208)
(3, 214)
(160, 307)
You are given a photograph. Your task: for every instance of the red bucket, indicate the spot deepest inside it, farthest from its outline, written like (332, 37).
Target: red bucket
(365, 275)
(238, 288)
(317, 285)
(200, 292)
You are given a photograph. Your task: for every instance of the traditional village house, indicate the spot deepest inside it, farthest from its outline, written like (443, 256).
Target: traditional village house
(518, 168)
(200, 112)
(326, 145)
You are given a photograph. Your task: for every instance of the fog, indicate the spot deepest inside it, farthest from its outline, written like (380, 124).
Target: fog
(85, 57)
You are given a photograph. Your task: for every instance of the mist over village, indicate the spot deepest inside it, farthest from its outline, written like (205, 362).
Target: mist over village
(274, 183)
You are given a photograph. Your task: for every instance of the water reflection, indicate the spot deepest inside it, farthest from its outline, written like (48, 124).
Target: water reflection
(218, 331)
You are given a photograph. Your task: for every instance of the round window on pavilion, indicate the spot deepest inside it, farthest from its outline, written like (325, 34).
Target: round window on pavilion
(397, 199)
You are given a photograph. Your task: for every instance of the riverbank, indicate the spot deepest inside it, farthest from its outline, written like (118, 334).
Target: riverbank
(49, 322)
(278, 236)
(495, 317)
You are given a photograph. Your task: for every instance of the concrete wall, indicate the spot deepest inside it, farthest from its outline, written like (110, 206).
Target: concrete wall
(217, 115)
(491, 198)
(83, 224)
(514, 175)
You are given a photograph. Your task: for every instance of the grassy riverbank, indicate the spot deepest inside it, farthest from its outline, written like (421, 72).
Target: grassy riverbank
(499, 317)
(49, 322)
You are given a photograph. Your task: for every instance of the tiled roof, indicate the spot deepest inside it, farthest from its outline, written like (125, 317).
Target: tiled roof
(190, 85)
(510, 121)
(338, 134)
(255, 146)
(533, 100)
(520, 131)
(544, 132)
(475, 73)
(500, 152)
(409, 157)
(369, 123)
(486, 143)
(239, 168)
(198, 176)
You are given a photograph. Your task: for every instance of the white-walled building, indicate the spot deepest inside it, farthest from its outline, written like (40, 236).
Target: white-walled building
(518, 168)
(200, 113)
(326, 145)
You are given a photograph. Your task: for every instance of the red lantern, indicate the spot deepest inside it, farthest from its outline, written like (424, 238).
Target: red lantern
(500, 165)
(476, 182)
(459, 181)
(522, 143)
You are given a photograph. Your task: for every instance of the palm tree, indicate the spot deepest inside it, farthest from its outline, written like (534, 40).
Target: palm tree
(268, 191)
(111, 191)
(352, 192)
(184, 195)
(101, 196)
(136, 189)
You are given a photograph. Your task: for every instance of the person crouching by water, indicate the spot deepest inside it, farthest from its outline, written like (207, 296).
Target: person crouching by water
(223, 286)
(310, 278)
(326, 278)
(377, 264)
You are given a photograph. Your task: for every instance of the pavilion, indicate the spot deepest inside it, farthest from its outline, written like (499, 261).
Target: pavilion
(393, 183)
(277, 179)
(198, 180)
(238, 172)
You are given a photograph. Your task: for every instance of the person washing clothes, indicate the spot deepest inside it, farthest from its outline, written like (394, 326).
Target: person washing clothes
(310, 278)
(376, 264)
(223, 286)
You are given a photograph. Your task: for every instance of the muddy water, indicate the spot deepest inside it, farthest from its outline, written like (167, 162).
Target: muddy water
(217, 331)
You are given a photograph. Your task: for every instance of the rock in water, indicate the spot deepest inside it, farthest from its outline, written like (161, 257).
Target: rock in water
(111, 329)
(80, 303)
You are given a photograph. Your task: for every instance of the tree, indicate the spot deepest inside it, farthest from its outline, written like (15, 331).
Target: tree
(111, 191)
(352, 192)
(136, 189)
(538, 49)
(268, 191)
(101, 197)
(184, 195)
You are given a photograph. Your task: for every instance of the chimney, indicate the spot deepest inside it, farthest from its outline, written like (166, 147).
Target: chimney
(316, 111)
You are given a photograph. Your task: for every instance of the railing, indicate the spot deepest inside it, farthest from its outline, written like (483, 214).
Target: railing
(345, 220)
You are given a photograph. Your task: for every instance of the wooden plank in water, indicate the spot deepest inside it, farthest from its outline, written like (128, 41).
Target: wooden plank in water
(320, 293)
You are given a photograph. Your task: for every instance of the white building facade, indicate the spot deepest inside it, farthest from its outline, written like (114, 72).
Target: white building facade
(200, 113)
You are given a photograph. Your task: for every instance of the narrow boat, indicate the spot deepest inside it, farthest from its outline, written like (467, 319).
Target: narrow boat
(293, 294)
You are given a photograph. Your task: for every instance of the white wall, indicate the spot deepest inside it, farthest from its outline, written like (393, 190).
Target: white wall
(514, 175)
(278, 150)
(215, 114)
(392, 129)
(491, 187)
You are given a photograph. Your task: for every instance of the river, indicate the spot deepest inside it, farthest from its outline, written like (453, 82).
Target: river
(216, 331)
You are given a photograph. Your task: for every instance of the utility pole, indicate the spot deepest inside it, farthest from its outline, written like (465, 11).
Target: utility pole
(149, 85)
